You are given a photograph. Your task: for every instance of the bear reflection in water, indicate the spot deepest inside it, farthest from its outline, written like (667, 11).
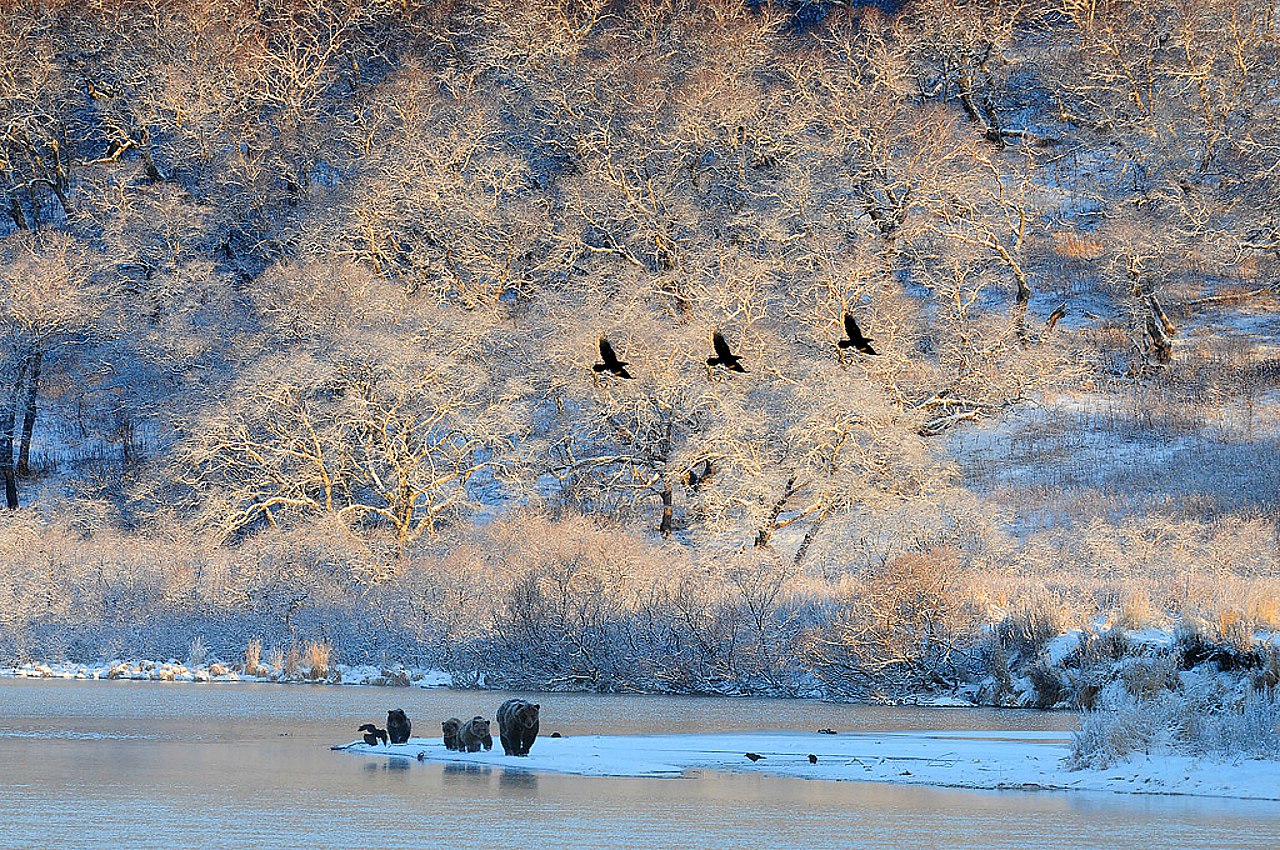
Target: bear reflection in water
(466, 774)
(522, 782)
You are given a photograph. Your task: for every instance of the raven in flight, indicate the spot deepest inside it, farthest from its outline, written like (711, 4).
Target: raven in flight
(724, 357)
(856, 339)
(611, 362)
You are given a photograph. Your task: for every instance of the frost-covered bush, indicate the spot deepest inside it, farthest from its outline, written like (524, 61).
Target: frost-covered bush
(1050, 686)
(1249, 730)
(1201, 719)
(1146, 677)
(1118, 726)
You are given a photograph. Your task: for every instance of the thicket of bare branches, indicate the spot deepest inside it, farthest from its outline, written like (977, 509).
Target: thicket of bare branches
(320, 286)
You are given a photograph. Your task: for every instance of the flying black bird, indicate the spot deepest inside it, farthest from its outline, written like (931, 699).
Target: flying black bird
(372, 734)
(754, 756)
(611, 362)
(724, 357)
(856, 339)
(813, 759)
(826, 731)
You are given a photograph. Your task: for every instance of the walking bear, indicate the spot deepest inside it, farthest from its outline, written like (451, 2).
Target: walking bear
(517, 726)
(474, 734)
(451, 728)
(398, 726)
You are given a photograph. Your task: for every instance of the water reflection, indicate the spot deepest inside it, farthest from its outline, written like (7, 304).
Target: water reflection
(462, 773)
(391, 765)
(518, 783)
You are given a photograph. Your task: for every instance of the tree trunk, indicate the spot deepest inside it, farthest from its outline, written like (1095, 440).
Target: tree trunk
(1020, 321)
(809, 537)
(765, 534)
(1169, 328)
(1058, 313)
(6, 442)
(665, 525)
(29, 419)
(16, 213)
(965, 85)
(1160, 341)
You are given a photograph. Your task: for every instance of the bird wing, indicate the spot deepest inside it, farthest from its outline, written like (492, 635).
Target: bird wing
(851, 327)
(606, 352)
(721, 347)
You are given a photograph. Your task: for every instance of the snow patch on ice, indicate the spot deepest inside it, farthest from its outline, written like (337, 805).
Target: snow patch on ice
(1033, 761)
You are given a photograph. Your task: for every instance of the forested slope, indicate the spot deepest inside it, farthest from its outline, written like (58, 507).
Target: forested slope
(301, 303)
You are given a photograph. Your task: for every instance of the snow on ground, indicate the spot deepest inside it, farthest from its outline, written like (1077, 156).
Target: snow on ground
(175, 671)
(1031, 761)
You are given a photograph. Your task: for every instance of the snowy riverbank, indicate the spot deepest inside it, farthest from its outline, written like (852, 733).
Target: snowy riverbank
(996, 760)
(175, 671)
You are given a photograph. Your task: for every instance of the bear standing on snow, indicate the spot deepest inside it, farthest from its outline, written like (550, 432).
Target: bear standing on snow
(517, 726)
(451, 727)
(398, 726)
(474, 734)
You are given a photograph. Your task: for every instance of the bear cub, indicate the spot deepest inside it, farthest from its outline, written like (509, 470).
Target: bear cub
(517, 726)
(451, 728)
(474, 734)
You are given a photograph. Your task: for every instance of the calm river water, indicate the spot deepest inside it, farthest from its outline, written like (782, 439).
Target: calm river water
(132, 764)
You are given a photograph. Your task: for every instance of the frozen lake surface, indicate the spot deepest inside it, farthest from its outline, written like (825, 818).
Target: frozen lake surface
(129, 764)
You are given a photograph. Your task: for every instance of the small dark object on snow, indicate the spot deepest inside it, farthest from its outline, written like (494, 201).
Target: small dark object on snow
(813, 759)
(556, 735)
(611, 362)
(754, 756)
(422, 756)
(856, 339)
(724, 356)
(372, 734)
(398, 726)
(826, 731)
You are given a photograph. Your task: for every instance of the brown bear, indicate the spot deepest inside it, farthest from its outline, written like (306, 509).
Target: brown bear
(474, 734)
(517, 726)
(398, 726)
(451, 728)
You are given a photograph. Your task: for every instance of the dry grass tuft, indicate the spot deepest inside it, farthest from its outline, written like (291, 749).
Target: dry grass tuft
(253, 658)
(317, 656)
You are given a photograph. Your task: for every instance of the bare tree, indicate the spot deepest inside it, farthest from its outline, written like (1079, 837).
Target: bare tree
(46, 299)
